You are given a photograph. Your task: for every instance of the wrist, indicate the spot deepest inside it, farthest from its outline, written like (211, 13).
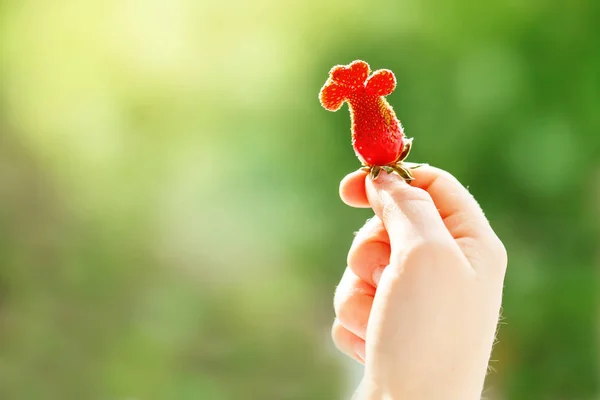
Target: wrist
(373, 389)
(370, 389)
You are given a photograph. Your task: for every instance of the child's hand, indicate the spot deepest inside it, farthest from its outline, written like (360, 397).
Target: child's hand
(420, 299)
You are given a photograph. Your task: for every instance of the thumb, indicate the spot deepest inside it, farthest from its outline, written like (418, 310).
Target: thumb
(408, 213)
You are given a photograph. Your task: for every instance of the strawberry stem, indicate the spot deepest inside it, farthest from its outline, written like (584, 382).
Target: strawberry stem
(405, 149)
(375, 170)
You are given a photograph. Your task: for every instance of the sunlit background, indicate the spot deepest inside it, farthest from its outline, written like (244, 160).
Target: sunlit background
(169, 220)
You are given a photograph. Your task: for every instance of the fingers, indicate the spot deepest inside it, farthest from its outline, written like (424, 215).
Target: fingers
(353, 301)
(347, 342)
(459, 211)
(408, 213)
(462, 215)
(370, 251)
(453, 200)
(352, 190)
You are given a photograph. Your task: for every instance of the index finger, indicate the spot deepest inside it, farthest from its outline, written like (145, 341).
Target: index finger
(459, 210)
(463, 217)
(451, 198)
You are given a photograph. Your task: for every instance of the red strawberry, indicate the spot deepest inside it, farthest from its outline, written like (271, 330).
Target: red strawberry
(377, 135)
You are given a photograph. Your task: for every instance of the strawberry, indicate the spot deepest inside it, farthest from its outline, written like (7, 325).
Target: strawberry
(377, 134)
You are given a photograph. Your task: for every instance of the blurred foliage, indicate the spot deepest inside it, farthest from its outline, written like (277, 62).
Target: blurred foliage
(169, 220)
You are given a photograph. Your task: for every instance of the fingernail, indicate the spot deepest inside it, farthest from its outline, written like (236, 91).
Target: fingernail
(377, 275)
(360, 351)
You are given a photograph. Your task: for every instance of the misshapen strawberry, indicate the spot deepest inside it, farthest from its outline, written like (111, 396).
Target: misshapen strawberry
(377, 134)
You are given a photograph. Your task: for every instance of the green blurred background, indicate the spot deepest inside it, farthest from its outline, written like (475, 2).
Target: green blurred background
(169, 220)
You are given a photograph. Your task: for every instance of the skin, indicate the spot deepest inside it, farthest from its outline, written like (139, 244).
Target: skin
(419, 302)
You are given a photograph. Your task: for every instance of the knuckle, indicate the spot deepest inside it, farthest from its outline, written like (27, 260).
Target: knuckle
(352, 311)
(462, 224)
(356, 249)
(447, 177)
(343, 307)
(499, 253)
(352, 254)
(336, 333)
(339, 299)
(372, 228)
(368, 241)
(368, 255)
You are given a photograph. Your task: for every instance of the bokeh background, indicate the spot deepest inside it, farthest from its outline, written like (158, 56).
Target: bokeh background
(169, 220)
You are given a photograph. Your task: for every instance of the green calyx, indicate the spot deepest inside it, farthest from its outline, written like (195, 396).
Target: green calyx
(398, 166)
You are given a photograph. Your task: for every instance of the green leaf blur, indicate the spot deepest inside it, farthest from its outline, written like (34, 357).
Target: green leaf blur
(170, 226)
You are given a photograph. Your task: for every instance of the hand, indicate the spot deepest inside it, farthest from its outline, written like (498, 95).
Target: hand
(420, 299)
